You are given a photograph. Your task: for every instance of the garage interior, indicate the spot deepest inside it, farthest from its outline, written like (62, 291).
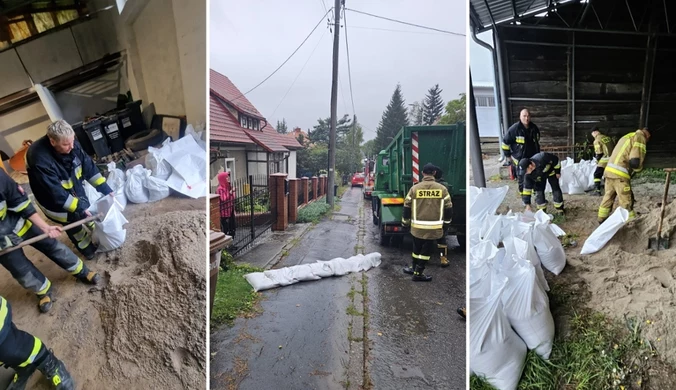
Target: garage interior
(579, 63)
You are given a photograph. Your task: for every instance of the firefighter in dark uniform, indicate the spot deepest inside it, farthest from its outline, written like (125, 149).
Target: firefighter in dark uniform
(603, 148)
(442, 244)
(427, 210)
(57, 167)
(538, 170)
(521, 141)
(26, 353)
(19, 222)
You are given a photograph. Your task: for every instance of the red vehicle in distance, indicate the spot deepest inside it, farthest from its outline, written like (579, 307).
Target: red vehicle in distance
(358, 179)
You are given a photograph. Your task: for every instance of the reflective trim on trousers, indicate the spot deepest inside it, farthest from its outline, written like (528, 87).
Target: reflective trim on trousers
(37, 345)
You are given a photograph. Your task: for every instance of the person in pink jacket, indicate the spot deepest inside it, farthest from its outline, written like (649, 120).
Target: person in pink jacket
(226, 194)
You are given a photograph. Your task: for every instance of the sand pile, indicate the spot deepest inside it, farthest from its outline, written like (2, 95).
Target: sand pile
(626, 277)
(153, 310)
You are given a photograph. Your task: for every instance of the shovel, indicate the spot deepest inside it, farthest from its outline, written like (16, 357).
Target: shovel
(43, 236)
(659, 242)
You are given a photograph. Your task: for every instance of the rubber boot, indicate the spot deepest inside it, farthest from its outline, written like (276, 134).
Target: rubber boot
(419, 276)
(88, 277)
(443, 255)
(21, 377)
(45, 303)
(56, 372)
(597, 190)
(411, 270)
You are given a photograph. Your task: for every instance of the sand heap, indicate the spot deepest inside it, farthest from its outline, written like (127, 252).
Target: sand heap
(153, 310)
(626, 277)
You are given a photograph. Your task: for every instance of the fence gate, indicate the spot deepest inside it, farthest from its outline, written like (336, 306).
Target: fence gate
(252, 214)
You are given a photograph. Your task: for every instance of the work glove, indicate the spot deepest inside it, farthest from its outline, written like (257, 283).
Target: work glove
(406, 222)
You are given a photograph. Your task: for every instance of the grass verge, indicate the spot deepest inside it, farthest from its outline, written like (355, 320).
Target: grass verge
(234, 295)
(313, 212)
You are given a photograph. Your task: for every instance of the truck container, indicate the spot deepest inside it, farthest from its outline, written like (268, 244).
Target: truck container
(398, 168)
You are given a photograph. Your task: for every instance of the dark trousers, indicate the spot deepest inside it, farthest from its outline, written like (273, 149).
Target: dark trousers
(82, 239)
(598, 174)
(17, 346)
(422, 252)
(557, 194)
(229, 225)
(27, 274)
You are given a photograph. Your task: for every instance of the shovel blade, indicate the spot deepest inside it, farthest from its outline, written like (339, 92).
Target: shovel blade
(659, 244)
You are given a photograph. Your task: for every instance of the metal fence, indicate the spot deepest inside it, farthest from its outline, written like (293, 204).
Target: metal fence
(251, 211)
(311, 194)
(301, 195)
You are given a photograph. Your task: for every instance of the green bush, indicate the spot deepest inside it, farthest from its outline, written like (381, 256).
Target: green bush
(313, 212)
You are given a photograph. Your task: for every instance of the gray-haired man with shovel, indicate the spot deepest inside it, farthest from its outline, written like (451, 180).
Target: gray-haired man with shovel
(19, 222)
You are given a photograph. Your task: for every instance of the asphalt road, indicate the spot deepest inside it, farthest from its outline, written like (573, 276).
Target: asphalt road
(377, 328)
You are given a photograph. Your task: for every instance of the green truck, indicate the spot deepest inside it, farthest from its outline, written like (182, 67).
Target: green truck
(400, 165)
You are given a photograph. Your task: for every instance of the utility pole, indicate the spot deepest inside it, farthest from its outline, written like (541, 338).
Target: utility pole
(334, 105)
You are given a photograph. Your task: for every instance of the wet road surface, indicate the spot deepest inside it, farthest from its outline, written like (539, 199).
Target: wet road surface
(376, 328)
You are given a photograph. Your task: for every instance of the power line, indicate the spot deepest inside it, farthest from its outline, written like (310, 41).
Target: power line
(403, 31)
(407, 23)
(349, 70)
(287, 60)
(299, 73)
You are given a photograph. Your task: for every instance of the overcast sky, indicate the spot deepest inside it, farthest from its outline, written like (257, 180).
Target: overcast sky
(250, 39)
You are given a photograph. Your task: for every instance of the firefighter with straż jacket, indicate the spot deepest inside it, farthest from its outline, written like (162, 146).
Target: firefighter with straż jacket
(427, 210)
(603, 147)
(57, 168)
(626, 159)
(26, 353)
(521, 141)
(19, 222)
(537, 171)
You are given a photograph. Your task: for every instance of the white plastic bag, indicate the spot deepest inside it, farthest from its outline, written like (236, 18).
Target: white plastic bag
(116, 177)
(92, 194)
(527, 308)
(496, 351)
(548, 247)
(159, 167)
(134, 188)
(600, 237)
(485, 201)
(157, 188)
(109, 233)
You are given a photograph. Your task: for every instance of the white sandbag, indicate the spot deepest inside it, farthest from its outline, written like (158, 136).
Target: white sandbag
(134, 189)
(157, 188)
(496, 351)
(159, 167)
(485, 201)
(109, 233)
(92, 194)
(304, 272)
(600, 237)
(121, 198)
(527, 308)
(492, 228)
(515, 249)
(116, 177)
(259, 281)
(548, 247)
(322, 269)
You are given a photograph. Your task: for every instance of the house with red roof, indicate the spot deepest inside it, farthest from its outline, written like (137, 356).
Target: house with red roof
(242, 141)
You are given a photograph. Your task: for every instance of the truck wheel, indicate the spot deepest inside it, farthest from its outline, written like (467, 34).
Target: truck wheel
(462, 241)
(383, 239)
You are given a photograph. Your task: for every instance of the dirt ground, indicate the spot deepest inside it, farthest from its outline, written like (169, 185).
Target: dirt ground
(625, 278)
(144, 327)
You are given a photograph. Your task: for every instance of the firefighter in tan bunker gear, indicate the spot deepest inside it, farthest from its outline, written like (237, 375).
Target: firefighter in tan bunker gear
(427, 209)
(626, 160)
(603, 148)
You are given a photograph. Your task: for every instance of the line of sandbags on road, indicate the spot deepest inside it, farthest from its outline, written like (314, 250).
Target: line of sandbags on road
(576, 178)
(509, 306)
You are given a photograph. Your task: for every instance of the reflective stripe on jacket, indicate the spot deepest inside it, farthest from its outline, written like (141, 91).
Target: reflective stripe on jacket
(57, 180)
(546, 165)
(630, 147)
(520, 142)
(15, 211)
(429, 203)
(603, 147)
